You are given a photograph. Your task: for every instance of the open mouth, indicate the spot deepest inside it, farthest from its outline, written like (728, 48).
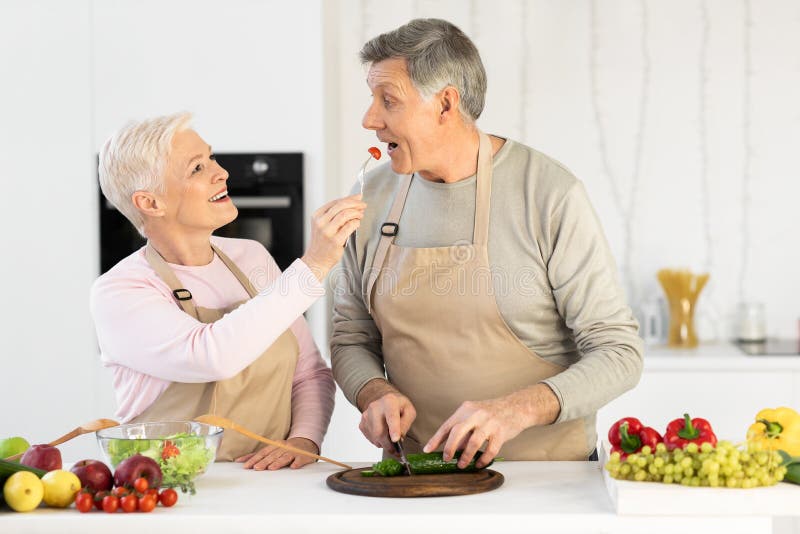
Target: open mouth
(221, 196)
(391, 148)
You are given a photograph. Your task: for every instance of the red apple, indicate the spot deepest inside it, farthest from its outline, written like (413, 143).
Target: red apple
(44, 457)
(137, 466)
(94, 475)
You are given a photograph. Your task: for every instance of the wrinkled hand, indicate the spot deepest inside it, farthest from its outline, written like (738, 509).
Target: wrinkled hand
(273, 458)
(494, 422)
(331, 225)
(473, 424)
(388, 414)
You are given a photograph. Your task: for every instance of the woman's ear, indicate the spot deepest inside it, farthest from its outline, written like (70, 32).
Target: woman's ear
(148, 204)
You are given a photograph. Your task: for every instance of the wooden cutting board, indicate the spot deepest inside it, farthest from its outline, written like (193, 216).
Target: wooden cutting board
(351, 481)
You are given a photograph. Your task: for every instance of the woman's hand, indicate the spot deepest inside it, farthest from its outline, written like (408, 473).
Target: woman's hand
(273, 458)
(331, 225)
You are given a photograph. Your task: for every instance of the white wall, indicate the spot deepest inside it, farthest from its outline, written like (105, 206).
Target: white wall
(253, 73)
(717, 187)
(49, 371)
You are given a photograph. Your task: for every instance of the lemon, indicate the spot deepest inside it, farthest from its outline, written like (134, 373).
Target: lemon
(23, 491)
(60, 488)
(12, 446)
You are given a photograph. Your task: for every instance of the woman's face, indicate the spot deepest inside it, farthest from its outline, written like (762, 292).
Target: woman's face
(196, 197)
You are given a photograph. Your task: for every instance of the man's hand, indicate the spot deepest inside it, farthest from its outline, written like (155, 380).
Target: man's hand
(494, 421)
(386, 414)
(273, 458)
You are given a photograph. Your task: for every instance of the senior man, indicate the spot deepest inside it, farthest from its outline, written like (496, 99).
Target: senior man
(479, 306)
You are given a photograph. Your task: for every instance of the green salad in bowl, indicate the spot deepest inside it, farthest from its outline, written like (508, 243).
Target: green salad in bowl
(184, 450)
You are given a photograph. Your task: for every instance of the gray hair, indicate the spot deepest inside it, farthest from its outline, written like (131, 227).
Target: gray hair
(135, 158)
(438, 54)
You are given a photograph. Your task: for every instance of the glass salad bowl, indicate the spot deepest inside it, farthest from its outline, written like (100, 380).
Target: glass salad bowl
(184, 450)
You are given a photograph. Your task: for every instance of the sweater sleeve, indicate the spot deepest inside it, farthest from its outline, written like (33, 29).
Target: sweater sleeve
(313, 389)
(356, 355)
(139, 326)
(582, 273)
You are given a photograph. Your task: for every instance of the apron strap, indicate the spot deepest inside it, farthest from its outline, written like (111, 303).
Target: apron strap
(483, 191)
(388, 233)
(181, 294)
(236, 272)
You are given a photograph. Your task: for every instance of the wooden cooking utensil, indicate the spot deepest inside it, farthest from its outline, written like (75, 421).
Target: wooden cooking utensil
(91, 426)
(216, 420)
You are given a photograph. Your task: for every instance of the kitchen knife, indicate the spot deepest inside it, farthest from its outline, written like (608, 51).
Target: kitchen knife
(398, 446)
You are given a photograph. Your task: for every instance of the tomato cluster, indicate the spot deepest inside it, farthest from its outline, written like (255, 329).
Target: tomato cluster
(141, 497)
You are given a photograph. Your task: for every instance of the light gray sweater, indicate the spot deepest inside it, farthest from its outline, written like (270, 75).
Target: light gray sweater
(555, 280)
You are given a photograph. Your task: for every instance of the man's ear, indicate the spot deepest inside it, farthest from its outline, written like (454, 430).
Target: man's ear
(148, 204)
(449, 100)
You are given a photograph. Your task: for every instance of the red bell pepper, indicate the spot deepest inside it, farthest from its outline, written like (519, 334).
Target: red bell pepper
(683, 431)
(628, 435)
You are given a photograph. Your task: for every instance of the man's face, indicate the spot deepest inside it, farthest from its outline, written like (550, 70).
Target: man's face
(401, 117)
(193, 178)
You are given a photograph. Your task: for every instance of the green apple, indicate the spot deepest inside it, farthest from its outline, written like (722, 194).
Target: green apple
(12, 446)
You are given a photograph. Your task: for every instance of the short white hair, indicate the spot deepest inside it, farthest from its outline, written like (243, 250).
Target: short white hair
(135, 158)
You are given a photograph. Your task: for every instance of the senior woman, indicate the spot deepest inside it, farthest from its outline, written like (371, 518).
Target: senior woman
(183, 327)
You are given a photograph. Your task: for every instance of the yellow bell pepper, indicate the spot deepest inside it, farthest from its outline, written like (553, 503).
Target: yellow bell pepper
(777, 428)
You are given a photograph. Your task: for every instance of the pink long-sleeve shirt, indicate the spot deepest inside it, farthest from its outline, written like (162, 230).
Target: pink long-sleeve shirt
(149, 341)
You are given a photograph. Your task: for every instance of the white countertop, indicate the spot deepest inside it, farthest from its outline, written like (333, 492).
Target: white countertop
(563, 497)
(714, 356)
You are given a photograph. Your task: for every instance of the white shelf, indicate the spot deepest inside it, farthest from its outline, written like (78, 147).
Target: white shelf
(714, 356)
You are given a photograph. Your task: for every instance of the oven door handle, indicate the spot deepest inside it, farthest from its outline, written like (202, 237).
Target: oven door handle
(262, 202)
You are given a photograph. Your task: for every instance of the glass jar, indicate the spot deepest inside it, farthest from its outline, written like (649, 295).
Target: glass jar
(752, 326)
(682, 287)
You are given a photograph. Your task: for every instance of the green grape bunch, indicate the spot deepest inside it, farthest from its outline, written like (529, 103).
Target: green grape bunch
(725, 466)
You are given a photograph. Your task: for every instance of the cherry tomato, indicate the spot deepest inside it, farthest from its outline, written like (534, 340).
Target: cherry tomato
(84, 502)
(168, 497)
(140, 484)
(98, 499)
(110, 504)
(147, 503)
(375, 152)
(119, 491)
(153, 492)
(129, 503)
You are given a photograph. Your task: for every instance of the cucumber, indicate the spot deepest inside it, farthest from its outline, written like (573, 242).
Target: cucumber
(792, 473)
(421, 464)
(792, 464)
(9, 468)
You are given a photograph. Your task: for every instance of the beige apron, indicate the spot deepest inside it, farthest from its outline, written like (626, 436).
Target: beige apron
(444, 340)
(258, 398)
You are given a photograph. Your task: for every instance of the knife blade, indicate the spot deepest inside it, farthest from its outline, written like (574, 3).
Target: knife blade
(398, 446)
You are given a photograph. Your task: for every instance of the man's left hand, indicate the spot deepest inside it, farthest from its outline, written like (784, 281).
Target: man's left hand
(494, 421)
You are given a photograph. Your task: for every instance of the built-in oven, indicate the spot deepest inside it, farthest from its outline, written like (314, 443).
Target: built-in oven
(267, 189)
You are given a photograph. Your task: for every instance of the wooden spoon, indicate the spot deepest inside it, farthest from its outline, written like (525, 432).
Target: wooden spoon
(91, 426)
(230, 425)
